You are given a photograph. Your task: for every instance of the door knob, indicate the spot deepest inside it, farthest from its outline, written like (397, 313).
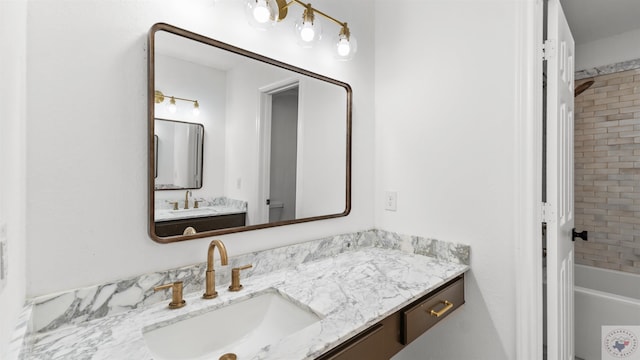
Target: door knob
(584, 235)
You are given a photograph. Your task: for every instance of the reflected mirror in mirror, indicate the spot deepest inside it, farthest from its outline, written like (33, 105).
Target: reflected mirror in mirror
(178, 155)
(278, 143)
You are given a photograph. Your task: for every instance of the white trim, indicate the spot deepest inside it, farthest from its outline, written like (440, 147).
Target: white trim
(528, 249)
(264, 160)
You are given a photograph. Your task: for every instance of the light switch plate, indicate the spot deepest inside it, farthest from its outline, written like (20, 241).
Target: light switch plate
(391, 201)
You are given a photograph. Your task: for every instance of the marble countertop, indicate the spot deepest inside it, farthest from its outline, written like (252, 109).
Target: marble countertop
(350, 292)
(216, 210)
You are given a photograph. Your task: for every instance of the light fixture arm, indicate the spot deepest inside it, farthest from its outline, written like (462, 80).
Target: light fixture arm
(308, 14)
(309, 7)
(345, 31)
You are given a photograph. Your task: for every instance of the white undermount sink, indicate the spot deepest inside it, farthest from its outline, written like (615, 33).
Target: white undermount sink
(242, 328)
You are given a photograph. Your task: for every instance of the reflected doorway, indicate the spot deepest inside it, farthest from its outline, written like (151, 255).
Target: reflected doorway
(284, 155)
(280, 126)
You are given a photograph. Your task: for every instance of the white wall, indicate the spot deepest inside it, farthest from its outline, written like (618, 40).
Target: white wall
(445, 141)
(189, 80)
(86, 149)
(13, 37)
(611, 50)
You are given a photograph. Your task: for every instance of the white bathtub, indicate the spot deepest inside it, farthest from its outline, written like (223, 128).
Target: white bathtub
(602, 297)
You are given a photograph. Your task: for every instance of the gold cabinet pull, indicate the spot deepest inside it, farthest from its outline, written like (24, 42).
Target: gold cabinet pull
(447, 306)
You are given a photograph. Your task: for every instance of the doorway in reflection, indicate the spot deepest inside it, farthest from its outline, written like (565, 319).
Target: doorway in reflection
(283, 155)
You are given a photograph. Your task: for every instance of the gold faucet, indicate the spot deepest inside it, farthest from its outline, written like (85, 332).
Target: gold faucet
(186, 199)
(210, 275)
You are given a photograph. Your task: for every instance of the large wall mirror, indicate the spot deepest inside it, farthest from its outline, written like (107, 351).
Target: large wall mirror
(238, 141)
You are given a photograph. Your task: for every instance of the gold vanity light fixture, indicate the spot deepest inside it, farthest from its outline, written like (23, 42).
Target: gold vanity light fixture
(264, 13)
(160, 98)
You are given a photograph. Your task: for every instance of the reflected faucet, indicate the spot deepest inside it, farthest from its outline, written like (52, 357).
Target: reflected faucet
(210, 275)
(186, 199)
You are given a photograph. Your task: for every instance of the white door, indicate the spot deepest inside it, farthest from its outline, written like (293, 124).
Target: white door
(559, 211)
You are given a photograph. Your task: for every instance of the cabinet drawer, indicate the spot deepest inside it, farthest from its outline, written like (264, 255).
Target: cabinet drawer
(379, 342)
(419, 318)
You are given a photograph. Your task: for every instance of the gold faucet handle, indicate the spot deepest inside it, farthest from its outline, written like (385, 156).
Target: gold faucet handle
(196, 203)
(176, 294)
(175, 204)
(235, 277)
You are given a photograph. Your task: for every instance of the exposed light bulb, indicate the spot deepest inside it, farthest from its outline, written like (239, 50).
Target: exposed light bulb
(196, 108)
(343, 46)
(307, 33)
(346, 44)
(261, 12)
(172, 105)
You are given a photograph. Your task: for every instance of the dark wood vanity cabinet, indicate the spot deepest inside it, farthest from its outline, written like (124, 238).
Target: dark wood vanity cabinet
(386, 338)
(207, 223)
(381, 341)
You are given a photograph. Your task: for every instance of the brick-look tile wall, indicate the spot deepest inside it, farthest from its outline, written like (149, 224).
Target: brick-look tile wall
(607, 171)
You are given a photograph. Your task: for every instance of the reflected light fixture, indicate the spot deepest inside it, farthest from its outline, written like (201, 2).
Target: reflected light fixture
(196, 108)
(308, 30)
(172, 107)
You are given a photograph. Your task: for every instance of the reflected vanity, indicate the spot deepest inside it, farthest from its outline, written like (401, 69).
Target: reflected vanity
(269, 144)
